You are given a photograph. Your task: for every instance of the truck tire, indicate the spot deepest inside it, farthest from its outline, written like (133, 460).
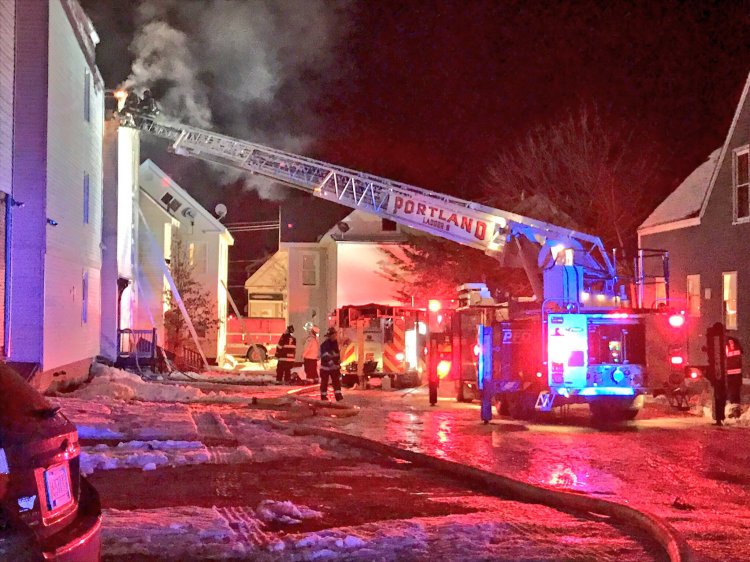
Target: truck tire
(463, 392)
(256, 353)
(612, 410)
(521, 405)
(502, 407)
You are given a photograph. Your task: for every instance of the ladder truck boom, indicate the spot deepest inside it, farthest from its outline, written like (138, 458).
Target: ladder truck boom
(465, 222)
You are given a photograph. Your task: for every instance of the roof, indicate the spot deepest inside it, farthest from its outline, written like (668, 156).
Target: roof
(164, 181)
(686, 205)
(686, 201)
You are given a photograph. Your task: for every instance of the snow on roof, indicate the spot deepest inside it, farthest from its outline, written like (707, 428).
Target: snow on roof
(685, 201)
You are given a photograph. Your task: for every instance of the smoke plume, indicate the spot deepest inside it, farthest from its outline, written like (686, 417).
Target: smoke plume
(246, 69)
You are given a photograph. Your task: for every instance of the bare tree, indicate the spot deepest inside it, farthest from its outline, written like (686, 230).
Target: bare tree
(428, 267)
(596, 170)
(197, 301)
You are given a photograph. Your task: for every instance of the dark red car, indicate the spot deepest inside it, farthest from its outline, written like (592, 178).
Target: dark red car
(47, 510)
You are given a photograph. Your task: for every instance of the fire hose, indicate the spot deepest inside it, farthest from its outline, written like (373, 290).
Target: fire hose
(665, 534)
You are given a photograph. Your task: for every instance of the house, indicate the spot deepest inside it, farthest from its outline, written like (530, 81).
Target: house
(169, 214)
(51, 115)
(312, 275)
(705, 226)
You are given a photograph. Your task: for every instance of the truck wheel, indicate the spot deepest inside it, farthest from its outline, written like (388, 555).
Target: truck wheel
(463, 393)
(502, 406)
(521, 405)
(612, 410)
(256, 354)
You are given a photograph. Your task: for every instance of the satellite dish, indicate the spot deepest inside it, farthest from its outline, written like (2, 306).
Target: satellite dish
(343, 227)
(221, 211)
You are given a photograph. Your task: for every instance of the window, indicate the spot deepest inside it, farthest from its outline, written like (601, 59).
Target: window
(741, 193)
(87, 96)
(85, 298)
(729, 292)
(171, 203)
(694, 295)
(86, 193)
(266, 309)
(388, 226)
(309, 269)
(197, 256)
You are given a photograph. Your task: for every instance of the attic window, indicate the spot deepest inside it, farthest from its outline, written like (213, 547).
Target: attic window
(741, 185)
(171, 203)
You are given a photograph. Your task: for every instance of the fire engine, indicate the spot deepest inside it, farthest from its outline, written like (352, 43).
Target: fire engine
(580, 341)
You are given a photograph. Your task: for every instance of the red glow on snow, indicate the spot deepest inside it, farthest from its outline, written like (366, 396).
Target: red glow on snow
(565, 478)
(676, 320)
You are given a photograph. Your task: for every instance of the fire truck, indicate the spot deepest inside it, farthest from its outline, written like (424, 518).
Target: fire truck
(581, 341)
(389, 340)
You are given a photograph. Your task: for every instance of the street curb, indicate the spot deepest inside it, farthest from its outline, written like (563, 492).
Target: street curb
(673, 543)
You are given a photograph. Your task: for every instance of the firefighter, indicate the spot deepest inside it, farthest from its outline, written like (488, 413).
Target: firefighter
(131, 103)
(311, 353)
(286, 350)
(734, 375)
(330, 365)
(147, 104)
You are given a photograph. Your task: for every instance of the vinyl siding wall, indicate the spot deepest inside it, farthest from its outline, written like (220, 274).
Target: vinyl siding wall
(74, 148)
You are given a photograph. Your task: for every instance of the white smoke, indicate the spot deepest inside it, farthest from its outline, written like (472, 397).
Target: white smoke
(246, 69)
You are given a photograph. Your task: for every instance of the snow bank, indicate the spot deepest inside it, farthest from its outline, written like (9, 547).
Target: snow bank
(149, 455)
(248, 377)
(115, 383)
(285, 512)
(109, 382)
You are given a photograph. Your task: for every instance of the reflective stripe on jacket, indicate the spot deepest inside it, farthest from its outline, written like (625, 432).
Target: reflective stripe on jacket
(734, 362)
(286, 349)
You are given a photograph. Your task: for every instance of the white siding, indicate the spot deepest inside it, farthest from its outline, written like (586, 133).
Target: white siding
(74, 147)
(7, 65)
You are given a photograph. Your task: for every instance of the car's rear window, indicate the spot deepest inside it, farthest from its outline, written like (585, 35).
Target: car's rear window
(18, 400)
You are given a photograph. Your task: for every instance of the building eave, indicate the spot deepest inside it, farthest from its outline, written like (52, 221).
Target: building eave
(668, 226)
(725, 147)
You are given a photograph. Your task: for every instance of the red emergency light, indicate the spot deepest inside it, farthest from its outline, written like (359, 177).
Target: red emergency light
(477, 350)
(443, 369)
(677, 360)
(434, 305)
(677, 320)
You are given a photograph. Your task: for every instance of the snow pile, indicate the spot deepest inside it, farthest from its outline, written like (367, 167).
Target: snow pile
(247, 377)
(174, 534)
(287, 512)
(149, 455)
(110, 382)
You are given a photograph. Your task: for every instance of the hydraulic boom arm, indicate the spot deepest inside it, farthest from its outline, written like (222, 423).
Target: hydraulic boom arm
(465, 222)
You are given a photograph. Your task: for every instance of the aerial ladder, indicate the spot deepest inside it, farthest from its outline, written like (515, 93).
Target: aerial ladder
(573, 277)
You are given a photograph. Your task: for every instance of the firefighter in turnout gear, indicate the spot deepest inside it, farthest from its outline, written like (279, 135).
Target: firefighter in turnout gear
(330, 365)
(311, 353)
(734, 376)
(286, 350)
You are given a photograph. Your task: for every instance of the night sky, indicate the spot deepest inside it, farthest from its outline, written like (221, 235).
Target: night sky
(428, 92)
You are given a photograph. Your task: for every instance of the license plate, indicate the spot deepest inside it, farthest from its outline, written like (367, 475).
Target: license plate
(57, 485)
